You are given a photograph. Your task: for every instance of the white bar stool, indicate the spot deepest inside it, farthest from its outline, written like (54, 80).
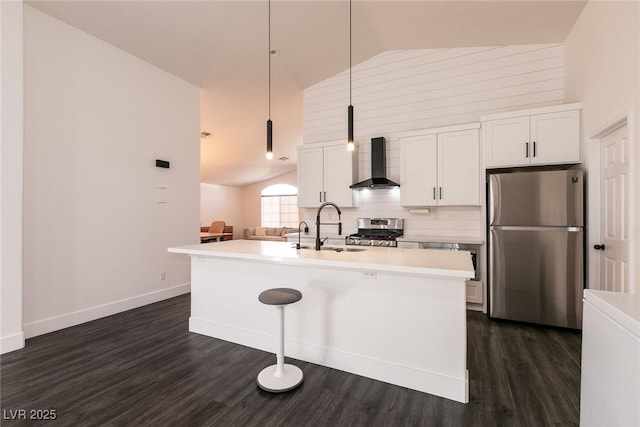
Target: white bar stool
(280, 377)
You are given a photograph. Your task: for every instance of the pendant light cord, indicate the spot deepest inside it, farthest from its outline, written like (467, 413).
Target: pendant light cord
(350, 52)
(269, 59)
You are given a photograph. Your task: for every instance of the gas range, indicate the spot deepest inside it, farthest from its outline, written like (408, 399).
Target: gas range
(377, 232)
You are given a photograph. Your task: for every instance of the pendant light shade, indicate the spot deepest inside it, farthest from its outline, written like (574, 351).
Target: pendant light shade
(350, 142)
(269, 140)
(269, 153)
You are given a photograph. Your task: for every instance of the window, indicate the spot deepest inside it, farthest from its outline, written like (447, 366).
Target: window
(279, 206)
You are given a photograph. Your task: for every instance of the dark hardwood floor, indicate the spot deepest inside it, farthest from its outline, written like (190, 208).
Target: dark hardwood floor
(143, 367)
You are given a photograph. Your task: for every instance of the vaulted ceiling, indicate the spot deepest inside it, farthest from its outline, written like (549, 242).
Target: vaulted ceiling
(222, 47)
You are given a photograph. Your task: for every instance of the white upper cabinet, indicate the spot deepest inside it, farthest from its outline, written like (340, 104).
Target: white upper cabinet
(310, 177)
(549, 135)
(325, 172)
(418, 170)
(440, 167)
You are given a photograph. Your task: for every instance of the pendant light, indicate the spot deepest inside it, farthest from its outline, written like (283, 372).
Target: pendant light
(269, 153)
(350, 143)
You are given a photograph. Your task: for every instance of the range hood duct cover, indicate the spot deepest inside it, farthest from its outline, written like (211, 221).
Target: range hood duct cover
(378, 167)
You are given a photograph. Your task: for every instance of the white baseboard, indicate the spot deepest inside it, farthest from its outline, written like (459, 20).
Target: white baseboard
(417, 379)
(44, 326)
(11, 343)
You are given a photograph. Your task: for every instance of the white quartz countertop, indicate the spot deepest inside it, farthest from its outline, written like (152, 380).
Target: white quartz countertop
(442, 239)
(623, 308)
(408, 261)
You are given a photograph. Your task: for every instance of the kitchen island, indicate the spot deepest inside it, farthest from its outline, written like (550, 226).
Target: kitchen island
(391, 314)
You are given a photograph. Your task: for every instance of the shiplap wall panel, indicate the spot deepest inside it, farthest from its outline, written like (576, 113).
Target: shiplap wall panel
(404, 90)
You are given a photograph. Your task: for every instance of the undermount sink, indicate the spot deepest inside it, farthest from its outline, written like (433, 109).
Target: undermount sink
(332, 248)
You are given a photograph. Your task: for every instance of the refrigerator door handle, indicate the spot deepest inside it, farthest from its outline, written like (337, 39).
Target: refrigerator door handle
(492, 199)
(570, 229)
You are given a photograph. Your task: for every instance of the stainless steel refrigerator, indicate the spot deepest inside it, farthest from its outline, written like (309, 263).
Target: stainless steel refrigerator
(536, 247)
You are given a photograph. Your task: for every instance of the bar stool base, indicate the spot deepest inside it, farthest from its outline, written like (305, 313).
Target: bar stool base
(291, 379)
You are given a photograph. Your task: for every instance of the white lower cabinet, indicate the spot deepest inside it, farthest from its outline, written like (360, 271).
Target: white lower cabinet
(440, 167)
(610, 368)
(474, 292)
(325, 172)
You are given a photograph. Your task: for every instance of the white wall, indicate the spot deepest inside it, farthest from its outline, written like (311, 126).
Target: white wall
(221, 203)
(602, 56)
(96, 118)
(399, 91)
(11, 125)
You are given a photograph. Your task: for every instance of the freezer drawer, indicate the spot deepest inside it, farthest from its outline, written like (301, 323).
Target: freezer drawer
(536, 275)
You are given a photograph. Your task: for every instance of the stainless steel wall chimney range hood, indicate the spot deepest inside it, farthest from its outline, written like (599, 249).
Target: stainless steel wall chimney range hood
(378, 167)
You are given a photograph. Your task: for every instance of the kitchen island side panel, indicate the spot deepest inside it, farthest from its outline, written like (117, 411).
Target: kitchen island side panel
(404, 329)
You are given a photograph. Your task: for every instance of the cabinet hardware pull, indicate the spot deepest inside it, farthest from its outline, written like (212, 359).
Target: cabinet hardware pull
(440, 193)
(599, 247)
(526, 149)
(320, 194)
(534, 148)
(325, 196)
(434, 193)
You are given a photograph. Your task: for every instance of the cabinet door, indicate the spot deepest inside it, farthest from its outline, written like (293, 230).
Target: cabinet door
(555, 137)
(310, 177)
(474, 291)
(338, 175)
(459, 168)
(418, 171)
(506, 142)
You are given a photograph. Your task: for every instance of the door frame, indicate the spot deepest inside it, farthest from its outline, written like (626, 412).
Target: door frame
(593, 234)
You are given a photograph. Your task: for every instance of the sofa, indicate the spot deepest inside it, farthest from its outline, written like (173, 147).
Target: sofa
(268, 233)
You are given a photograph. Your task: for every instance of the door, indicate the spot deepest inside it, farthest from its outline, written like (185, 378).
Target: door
(506, 142)
(459, 168)
(338, 166)
(555, 138)
(614, 212)
(310, 177)
(536, 275)
(418, 184)
(547, 198)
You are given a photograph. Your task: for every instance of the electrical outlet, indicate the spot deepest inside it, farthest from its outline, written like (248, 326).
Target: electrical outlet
(370, 275)
(163, 275)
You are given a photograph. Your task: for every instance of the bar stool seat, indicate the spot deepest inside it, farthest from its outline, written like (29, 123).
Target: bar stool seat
(282, 376)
